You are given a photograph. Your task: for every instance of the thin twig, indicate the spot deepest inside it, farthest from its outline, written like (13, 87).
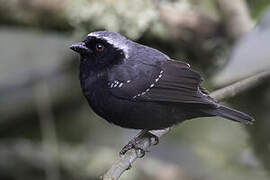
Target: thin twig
(240, 86)
(124, 163)
(129, 157)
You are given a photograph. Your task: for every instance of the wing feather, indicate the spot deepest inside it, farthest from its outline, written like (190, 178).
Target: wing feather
(169, 81)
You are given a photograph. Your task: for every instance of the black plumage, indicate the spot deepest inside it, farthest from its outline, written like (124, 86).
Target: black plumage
(135, 86)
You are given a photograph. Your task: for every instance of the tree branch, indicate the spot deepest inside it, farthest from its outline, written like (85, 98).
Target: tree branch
(240, 86)
(129, 157)
(124, 163)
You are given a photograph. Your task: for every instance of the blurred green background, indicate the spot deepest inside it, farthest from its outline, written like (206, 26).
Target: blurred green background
(48, 131)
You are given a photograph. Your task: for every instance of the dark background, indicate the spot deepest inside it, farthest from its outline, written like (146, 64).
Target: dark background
(47, 130)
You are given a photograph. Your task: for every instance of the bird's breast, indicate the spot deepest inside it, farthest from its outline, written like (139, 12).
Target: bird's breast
(96, 93)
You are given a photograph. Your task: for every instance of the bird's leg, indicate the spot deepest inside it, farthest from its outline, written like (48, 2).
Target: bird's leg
(135, 143)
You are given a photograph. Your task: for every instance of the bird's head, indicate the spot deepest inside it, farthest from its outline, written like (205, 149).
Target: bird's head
(102, 49)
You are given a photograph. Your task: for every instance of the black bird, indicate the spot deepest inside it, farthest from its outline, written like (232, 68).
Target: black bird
(136, 86)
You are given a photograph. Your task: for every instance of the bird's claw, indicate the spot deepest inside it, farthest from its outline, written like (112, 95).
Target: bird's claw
(156, 139)
(135, 143)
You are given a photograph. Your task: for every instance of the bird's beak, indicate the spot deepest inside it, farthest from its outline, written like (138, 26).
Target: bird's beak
(80, 48)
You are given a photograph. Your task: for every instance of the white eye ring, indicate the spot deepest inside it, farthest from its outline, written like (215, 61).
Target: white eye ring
(99, 47)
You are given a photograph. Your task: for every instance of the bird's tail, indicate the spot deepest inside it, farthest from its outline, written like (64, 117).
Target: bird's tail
(232, 114)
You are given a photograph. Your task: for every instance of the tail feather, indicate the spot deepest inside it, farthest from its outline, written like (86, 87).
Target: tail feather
(233, 114)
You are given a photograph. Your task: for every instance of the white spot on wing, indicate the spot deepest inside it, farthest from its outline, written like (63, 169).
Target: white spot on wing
(151, 86)
(116, 83)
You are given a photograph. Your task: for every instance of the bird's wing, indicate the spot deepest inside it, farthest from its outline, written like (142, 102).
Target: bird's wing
(128, 80)
(168, 81)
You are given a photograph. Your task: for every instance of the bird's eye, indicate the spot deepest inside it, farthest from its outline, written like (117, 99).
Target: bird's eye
(100, 47)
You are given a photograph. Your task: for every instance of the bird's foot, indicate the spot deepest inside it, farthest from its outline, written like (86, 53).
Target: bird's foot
(133, 144)
(136, 143)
